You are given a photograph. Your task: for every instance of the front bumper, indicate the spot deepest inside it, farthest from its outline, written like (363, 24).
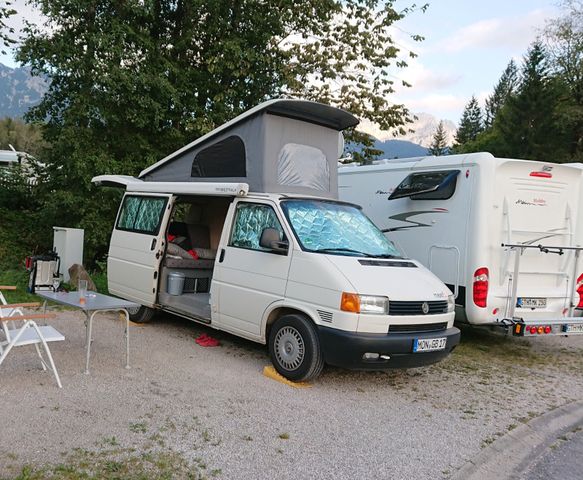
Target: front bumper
(345, 349)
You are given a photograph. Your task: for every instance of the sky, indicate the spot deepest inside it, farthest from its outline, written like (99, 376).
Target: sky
(466, 48)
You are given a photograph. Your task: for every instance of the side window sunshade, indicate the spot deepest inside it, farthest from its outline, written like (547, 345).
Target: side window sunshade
(438, 185)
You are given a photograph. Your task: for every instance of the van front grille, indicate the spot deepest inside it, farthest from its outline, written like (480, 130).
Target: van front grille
(426, 327)
(416, 308)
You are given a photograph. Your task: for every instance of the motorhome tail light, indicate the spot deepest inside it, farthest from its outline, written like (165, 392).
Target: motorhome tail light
(541, 174)
(547, 329)
(350, 302)
(481, 277)
(532, 330)
(540, 329)
(580, 290)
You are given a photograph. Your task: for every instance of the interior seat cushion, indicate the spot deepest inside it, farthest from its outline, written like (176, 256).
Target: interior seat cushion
(204, 253)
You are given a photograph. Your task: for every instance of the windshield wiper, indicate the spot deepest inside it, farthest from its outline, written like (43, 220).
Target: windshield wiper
(340, 249)
(386, 255)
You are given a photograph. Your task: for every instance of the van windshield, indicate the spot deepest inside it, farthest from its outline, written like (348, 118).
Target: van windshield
(336, 228)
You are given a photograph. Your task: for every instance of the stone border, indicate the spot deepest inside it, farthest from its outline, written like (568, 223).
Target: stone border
(512, 454)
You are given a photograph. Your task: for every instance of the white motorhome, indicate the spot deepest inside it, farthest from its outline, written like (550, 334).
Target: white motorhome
(501, 233)
(248, 215)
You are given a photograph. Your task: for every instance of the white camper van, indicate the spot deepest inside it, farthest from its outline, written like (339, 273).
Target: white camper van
(241, 230)
(501, 233)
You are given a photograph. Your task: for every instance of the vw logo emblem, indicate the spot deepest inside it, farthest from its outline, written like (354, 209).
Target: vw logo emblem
(425, 308)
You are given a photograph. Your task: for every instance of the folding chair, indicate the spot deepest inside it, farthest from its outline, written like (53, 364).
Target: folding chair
(29, 333)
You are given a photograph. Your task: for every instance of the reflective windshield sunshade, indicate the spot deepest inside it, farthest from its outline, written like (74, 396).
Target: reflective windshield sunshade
(336, 228)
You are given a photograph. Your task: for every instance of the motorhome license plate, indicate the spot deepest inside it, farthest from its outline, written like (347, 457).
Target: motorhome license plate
(532, 302)
(429, 344)
(573, 328)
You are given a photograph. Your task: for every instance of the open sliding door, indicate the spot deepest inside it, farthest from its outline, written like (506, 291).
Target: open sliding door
(137, 247)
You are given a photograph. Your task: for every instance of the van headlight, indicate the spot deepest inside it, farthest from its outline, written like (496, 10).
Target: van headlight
(355, 303)
(450, 303)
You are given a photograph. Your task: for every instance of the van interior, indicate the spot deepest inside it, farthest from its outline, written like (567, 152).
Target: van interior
(193, 235)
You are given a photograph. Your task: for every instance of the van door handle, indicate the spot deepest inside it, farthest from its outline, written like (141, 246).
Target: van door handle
(153, 245)
(222, 255)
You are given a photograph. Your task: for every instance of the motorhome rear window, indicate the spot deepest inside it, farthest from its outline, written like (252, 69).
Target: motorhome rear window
(141, 214)
(436, 185)
(222, 159)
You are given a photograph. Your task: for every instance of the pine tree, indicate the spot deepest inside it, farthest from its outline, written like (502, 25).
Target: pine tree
(564, 40)
(470, 124)
(526, 126)
(503, 90)
(438, 146)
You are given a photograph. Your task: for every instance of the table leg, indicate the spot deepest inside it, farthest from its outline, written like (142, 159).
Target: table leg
(88, 324)
(127, 338)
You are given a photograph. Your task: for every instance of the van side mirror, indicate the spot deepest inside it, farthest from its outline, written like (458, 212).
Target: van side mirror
(270, 239)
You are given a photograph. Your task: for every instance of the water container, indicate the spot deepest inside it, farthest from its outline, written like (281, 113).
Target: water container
(175, 283)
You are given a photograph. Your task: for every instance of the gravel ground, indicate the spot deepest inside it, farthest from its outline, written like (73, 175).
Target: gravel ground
(214, 410)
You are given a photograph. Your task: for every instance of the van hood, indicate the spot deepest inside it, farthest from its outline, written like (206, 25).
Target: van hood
(398, 279)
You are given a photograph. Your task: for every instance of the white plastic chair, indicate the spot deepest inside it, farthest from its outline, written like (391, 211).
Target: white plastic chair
(20, 329)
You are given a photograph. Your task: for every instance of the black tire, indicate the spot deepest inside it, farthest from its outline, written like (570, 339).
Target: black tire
(294, 348)
(141, 314)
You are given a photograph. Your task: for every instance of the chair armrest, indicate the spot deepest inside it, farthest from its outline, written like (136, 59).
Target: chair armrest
(28, 317)
(7, 287)
(21, 305)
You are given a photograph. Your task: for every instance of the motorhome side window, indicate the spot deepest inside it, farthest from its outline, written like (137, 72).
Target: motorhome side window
(250, 221)
(141, 214)
(436, 185)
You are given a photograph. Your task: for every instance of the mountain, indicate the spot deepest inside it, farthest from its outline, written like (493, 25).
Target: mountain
(423, 130)
(399, 149)
(19, 91)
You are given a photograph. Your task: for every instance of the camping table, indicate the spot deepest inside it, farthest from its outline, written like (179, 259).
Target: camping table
(94, 303)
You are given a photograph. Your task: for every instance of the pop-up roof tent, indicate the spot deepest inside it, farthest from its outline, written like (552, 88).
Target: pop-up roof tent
(286, 146)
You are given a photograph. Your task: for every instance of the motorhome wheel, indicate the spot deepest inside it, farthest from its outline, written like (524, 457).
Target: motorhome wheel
(294, 348)
(141, 314)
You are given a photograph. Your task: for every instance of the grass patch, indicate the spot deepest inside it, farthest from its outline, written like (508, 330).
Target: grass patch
(116, 465)
(479, 347)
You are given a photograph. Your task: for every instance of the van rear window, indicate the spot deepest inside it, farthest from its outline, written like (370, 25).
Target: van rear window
(435, 185)
(141, 214)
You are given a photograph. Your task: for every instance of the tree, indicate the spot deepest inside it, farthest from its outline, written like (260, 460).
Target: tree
(564, 41)
(22, 136)
(6, 32)
(470, 124)
(503, 90)
(526, 126)
(133, 81)
(438, 145)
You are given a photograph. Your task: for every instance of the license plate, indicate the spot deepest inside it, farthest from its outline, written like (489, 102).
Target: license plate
(429, 344)
(531, 303)
(573, 328)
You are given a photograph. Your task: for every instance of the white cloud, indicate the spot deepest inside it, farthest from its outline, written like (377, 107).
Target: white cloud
(437, 102)
(515, 32)
(423, 79)
(24, 11)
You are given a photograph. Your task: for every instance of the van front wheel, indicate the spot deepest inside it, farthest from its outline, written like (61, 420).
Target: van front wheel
(141, 314)
(294, 348)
